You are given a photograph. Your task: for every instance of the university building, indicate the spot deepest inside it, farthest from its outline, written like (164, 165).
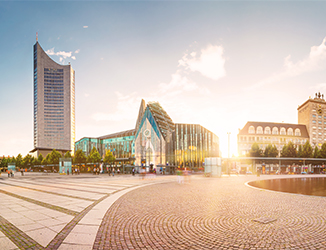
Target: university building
(54, 105)
(264, 133)
(311, 127)
(156, 141)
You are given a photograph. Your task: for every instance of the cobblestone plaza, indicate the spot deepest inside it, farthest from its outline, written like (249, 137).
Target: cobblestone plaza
(126, 212)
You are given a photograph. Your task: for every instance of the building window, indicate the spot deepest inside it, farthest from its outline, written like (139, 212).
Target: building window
(275, 131)
(319, 122)
(251, 130)
(282, 131)
(313, 115)
(319, 116)
(267, 130)
(259, 130)
(297, 132)
(290, 131)
(313, 121)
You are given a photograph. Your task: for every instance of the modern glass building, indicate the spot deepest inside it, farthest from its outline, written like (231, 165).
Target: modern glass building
(193, 143)
(157, 142)
(54, 105)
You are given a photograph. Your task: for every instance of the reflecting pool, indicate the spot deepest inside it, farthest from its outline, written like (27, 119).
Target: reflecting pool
(305, 185)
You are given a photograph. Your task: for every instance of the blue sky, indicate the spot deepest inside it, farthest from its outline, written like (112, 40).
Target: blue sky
(219, 64)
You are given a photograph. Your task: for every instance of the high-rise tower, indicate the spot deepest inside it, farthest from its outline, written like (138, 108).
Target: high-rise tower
(54, 105)
(312, 113)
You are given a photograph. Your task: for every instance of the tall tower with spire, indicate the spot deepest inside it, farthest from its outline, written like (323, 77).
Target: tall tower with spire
(54, 104)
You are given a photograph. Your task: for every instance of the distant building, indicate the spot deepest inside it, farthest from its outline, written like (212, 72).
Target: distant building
(54, 105)
(157, 142)
(312, 113)
(264, 133)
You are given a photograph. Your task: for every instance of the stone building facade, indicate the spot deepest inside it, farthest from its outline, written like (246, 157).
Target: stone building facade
(264, 133)
(312, 113)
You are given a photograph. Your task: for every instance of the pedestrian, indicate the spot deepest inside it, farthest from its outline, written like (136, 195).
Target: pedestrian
(11, 173)
(133, 171)
(8, 173)
(113, 172)
(68, 171)
(109, 171)
(118, 170)
(22, 171)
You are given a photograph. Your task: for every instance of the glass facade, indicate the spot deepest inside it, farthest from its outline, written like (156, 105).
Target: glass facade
(87, 144)
(121, 147)
(54, 104)
(53, 107)
(193, 143)
(157, 142)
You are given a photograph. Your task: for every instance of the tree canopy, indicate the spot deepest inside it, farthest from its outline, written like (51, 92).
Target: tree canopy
(108, 158)
(270, 151)
(255, 151)
(94, 156)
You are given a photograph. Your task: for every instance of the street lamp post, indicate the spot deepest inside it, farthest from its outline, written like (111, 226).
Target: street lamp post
(228, 133)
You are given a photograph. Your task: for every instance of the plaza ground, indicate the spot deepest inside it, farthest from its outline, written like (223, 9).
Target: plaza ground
(127, 212)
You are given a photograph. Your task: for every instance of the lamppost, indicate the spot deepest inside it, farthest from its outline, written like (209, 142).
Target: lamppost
(229, 133)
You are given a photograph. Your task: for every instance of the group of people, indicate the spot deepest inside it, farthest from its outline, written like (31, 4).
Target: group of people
(76, 170)
(10, 173)
(183, 175)
(96, 171)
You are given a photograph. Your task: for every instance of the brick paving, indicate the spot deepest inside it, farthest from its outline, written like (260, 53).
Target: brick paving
(213, 213)
(59, 212)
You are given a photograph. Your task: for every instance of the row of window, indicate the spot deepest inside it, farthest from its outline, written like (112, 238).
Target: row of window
(270, 139)
(274, 131)
(319, 122)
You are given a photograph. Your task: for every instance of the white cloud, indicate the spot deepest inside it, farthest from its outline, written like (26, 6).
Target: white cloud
(210, 63)
(85, 27)
(62, 54)
(316, 60)
(177, 85)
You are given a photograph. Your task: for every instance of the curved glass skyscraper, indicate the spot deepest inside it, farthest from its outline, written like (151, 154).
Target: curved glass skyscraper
(54, 104)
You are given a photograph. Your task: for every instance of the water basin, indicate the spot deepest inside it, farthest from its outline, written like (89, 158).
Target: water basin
(304, 185)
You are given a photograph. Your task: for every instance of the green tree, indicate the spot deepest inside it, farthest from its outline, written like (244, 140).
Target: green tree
(55, 157)
(255, 151)
(94, 156)
(79, 157)
(27, 161)
(46, 160)
(19, 160)
(307, 150)
(68, 154)
(40, 159)
(3, 163)
(289, 150)
(271, 151)
(108, 158)
(300, 151)
(316, 153)
(323, 151)
(284, 151)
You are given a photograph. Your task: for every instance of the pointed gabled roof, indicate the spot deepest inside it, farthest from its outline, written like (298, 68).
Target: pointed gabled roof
(141, 112)
(162, 119)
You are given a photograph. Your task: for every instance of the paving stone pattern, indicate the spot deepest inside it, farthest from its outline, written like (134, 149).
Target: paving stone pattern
(100, 212)
(40, 213)
(213, 213)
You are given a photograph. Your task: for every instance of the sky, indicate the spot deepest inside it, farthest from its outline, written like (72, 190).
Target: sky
(214, 63)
